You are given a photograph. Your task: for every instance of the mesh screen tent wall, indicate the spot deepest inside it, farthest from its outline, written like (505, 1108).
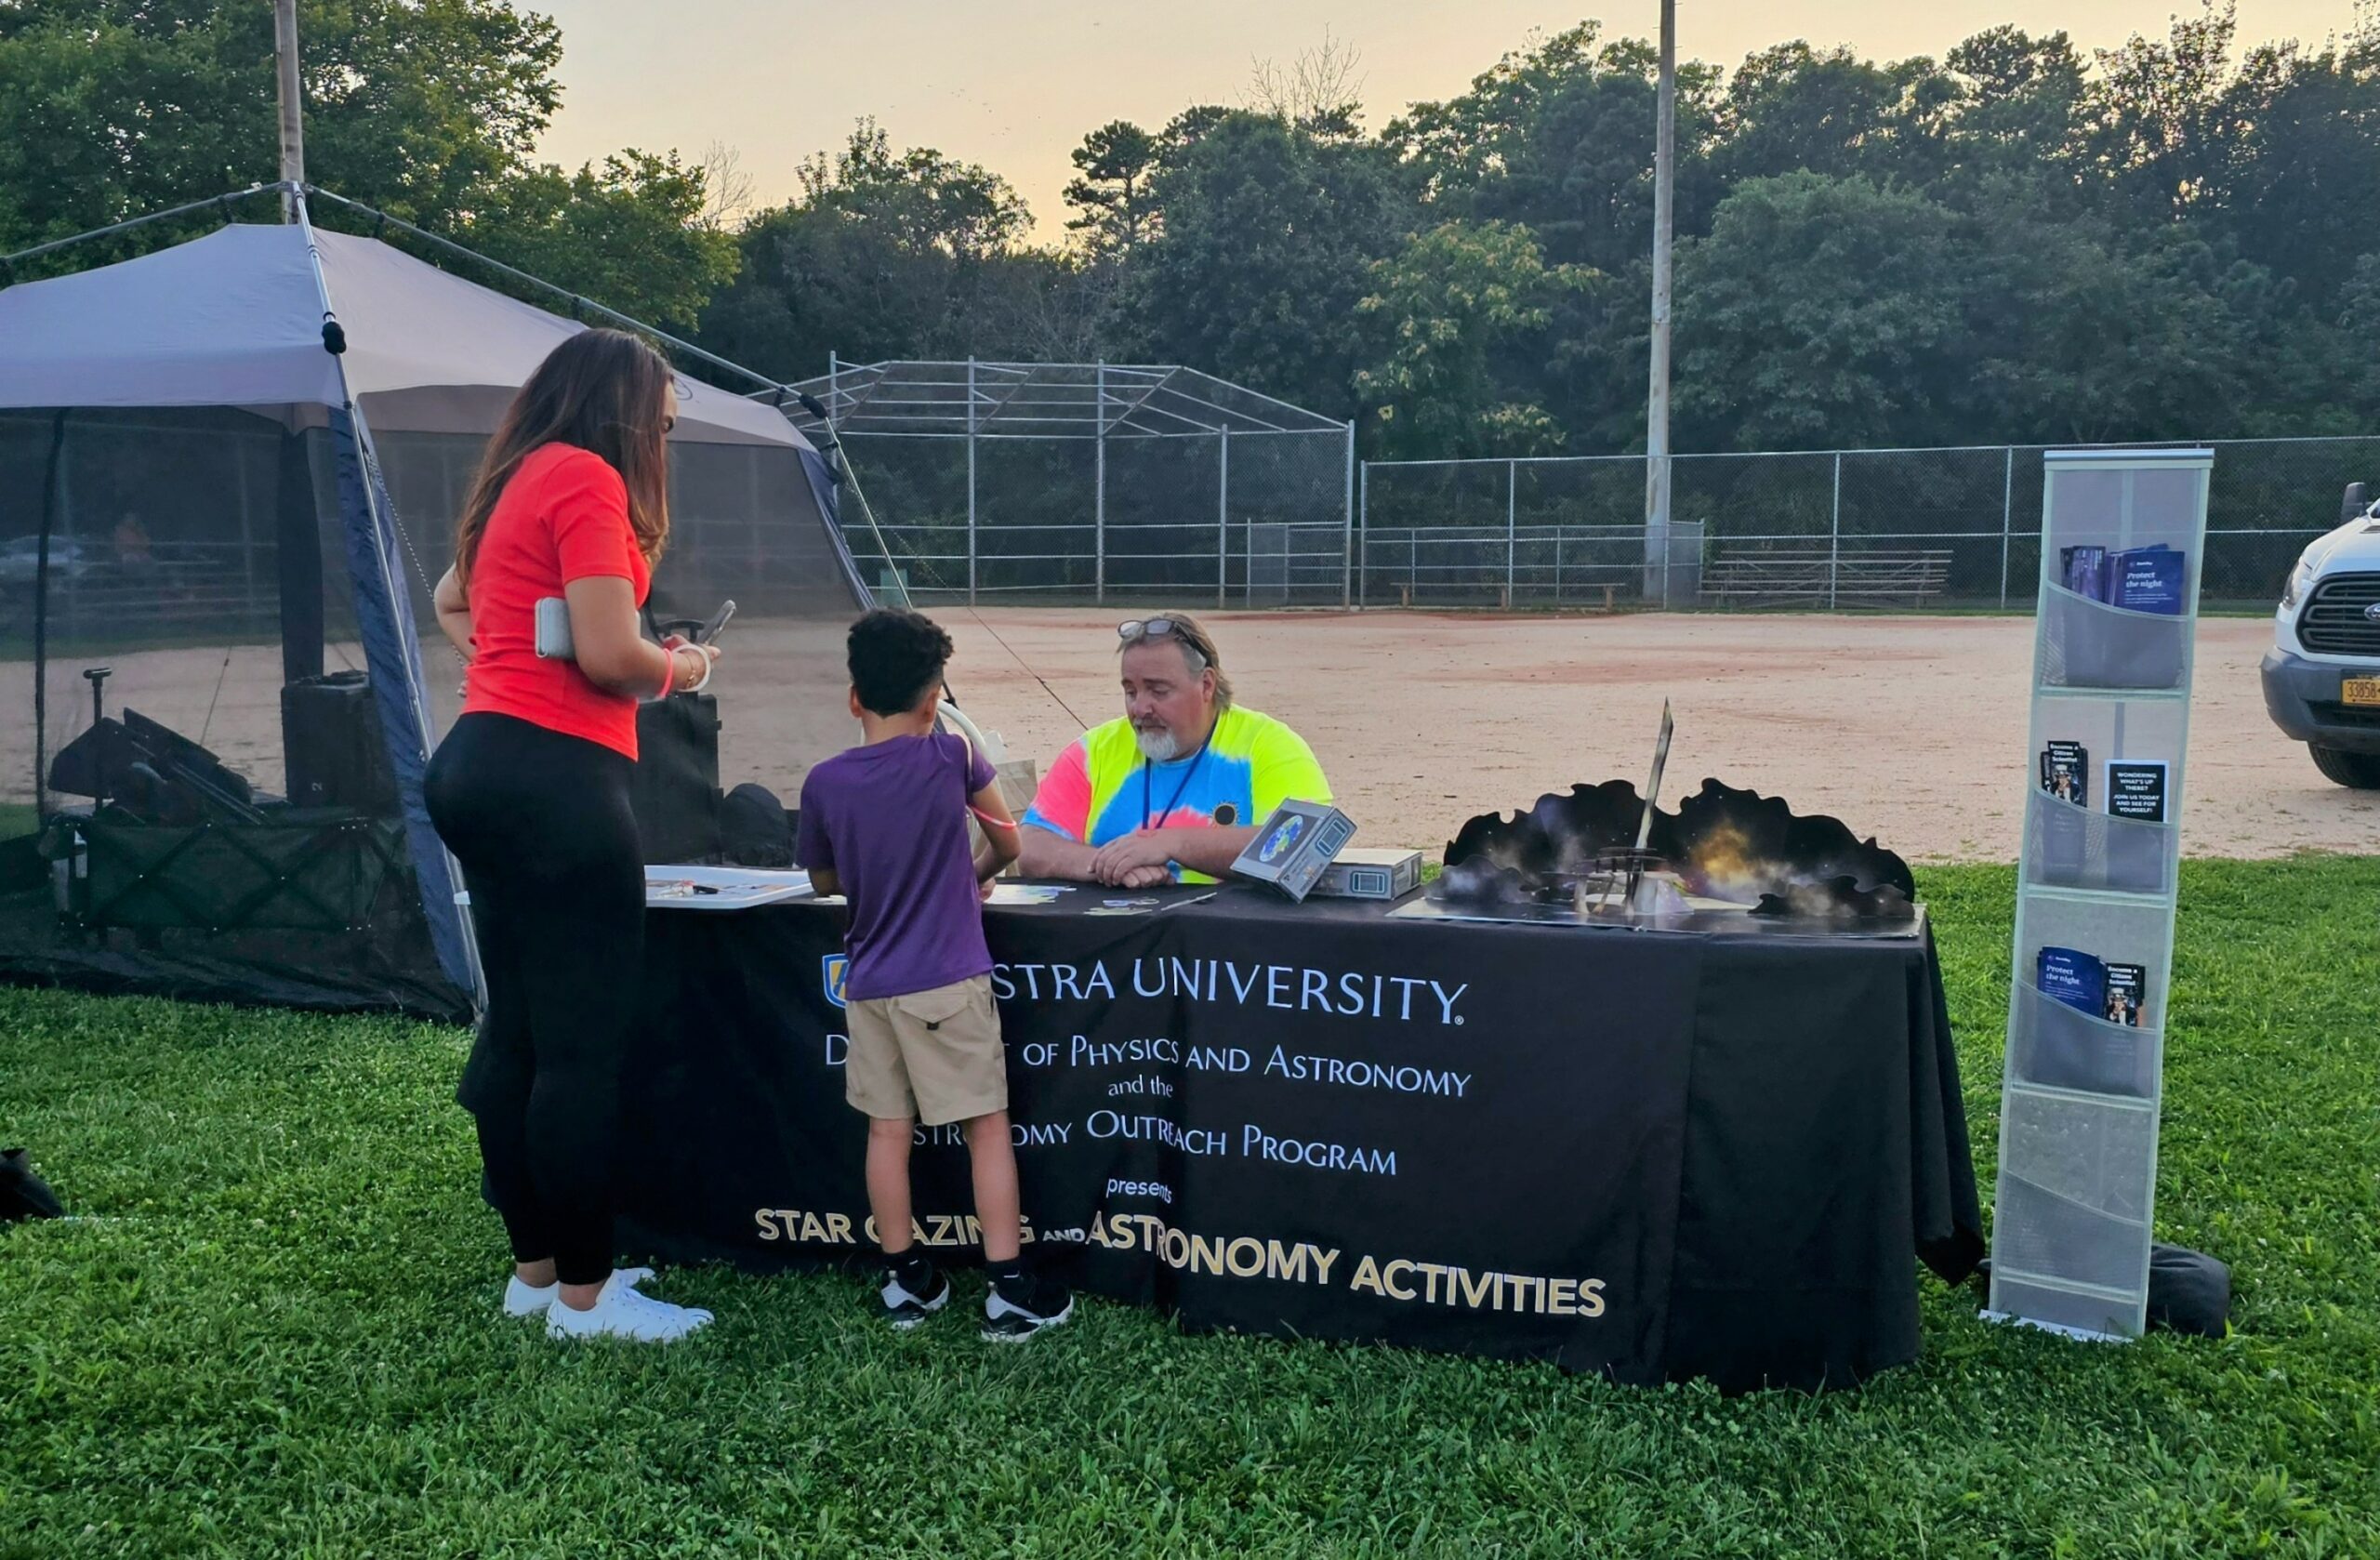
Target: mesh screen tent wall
(241, 531)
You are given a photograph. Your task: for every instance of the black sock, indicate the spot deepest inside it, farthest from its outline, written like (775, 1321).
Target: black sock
(912, 1270)
(1007, 1275)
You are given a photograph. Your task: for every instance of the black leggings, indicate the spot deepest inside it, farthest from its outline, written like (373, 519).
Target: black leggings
(543, 827)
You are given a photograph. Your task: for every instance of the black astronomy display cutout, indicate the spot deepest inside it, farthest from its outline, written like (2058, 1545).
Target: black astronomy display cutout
(1326, 1120)
(1722, 843)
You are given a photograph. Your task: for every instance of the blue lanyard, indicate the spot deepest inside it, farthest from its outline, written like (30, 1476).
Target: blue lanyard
(1187, 775)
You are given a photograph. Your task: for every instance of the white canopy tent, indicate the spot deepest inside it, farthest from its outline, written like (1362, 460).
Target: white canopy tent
(232, 467)
(235, 319)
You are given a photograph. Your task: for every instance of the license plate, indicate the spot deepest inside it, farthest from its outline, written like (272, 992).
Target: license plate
(2359, 690)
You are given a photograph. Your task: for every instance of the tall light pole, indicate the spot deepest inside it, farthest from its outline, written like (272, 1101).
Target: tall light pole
(1657, 403)
(292, 129)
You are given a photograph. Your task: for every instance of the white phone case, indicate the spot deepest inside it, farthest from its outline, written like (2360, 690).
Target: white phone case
(553, 630)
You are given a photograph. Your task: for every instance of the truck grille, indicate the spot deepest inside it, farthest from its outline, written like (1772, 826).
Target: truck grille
(2333, 622)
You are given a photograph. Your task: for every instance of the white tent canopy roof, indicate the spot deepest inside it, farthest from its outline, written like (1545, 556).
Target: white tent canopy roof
(235, 319)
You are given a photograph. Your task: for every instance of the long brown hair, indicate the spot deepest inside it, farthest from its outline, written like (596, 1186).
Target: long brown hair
(601, 391)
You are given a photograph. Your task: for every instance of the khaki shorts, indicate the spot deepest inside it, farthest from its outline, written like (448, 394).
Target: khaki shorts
(933, 1055)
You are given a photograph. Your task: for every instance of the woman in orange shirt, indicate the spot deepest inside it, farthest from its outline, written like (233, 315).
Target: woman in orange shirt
(530, 791)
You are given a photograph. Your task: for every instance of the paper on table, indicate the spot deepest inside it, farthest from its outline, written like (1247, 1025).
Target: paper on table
(719, 888)
(1026, 893)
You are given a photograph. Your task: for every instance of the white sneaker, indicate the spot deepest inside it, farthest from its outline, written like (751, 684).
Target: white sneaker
(620, 1312)
(526, 1300)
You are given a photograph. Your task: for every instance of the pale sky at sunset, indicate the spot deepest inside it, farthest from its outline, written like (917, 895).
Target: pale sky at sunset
(1015, 86)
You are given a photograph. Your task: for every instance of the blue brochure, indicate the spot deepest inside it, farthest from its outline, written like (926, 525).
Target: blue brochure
(2074, 978)
(2147, 580)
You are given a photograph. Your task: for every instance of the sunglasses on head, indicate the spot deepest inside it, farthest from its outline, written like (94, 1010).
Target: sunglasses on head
(1158, 629)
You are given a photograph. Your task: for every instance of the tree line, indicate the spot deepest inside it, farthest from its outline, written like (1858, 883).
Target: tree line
(2021, 240)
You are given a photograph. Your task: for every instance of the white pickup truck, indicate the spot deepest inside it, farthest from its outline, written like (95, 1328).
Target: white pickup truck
(2322, 674)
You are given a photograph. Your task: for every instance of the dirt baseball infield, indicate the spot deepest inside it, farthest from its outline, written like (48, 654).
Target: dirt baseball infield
(1911, 729)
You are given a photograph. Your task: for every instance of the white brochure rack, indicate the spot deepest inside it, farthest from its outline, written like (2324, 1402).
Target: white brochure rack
(2079, 1096)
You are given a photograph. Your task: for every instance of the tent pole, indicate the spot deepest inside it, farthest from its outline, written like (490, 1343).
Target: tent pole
(392, 584)
(367, 465)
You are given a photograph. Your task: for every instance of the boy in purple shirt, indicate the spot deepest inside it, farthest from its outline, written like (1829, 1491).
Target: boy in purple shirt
(885, 826)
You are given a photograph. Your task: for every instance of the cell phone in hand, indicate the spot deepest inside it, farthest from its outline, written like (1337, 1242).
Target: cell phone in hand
(708, 633)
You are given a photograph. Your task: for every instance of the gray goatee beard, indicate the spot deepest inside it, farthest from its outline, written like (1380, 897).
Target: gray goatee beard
(1156, 744)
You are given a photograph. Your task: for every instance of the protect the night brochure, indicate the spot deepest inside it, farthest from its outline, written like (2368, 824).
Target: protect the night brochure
(2147, 579)
(2113, 992)
(2138, 579)
(2074, 978)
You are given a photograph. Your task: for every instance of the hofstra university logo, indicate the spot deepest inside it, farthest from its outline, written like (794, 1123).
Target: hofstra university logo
(833, 970)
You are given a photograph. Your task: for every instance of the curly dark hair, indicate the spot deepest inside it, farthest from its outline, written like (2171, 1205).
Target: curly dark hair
(896, 658)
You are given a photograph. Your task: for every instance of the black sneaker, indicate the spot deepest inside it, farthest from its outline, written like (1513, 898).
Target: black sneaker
(1016, 1309)
(905, 1307)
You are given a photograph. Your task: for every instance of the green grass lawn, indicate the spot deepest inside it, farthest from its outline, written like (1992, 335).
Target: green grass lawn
(271, 1333)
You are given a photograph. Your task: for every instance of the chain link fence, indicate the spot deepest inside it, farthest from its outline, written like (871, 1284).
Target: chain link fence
(1949, 528)
(1243, 520)
(1089, 483)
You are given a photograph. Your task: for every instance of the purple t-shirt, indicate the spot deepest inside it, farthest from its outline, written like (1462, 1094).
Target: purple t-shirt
(889, 819)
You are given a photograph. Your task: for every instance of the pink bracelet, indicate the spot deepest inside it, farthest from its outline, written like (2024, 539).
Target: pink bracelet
(669, 674)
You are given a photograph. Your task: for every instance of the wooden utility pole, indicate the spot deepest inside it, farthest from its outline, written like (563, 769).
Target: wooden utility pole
(1657, 405)
(293, 128)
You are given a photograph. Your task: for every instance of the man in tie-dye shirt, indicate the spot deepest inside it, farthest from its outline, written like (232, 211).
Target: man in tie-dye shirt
(1176, 787)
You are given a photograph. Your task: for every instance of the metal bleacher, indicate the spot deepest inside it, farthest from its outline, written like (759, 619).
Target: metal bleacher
(1823, 577)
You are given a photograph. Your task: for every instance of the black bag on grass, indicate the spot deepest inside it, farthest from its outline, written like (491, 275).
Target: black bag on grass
(24, 1195)
(2189, 1291)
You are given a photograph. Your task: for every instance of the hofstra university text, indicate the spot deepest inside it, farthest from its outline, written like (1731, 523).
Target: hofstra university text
(1289, 987)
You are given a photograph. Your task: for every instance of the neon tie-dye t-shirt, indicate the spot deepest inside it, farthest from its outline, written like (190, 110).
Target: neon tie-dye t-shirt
(1101, 789)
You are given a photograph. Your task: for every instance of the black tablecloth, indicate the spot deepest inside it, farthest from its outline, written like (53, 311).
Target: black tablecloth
(1657, 1156)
